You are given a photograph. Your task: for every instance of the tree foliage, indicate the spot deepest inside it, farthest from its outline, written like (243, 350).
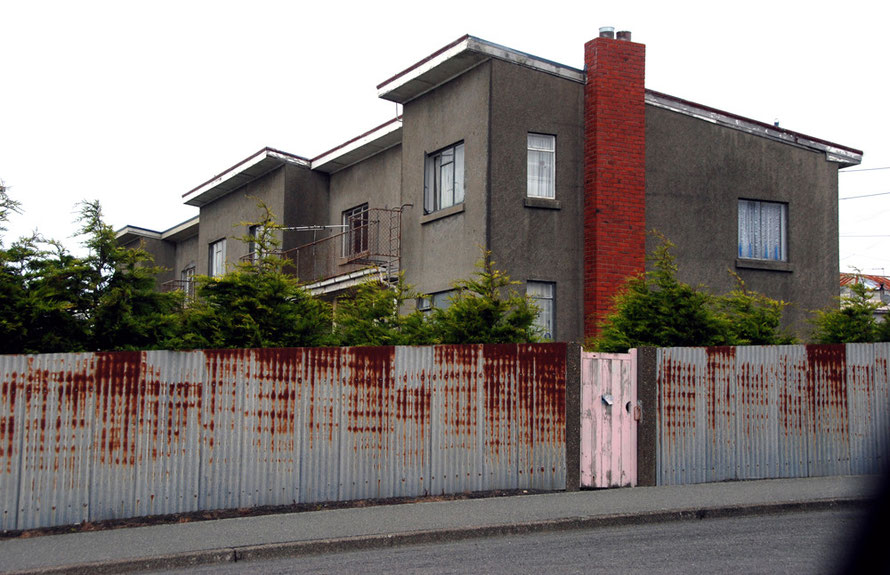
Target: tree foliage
(852, 321)
(656, 309)
(256, 304)
(486, 309)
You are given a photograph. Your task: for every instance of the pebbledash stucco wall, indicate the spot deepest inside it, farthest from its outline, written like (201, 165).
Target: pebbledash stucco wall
(441, 247)
(697, 171)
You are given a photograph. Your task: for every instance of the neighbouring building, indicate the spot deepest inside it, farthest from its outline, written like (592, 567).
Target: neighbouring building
(560, 172)
(878, 287)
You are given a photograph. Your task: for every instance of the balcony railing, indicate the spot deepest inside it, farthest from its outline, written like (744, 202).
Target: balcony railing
(368, 240)
(188, 286)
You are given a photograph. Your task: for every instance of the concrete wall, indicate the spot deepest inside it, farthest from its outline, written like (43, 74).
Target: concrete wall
(695, 174)
(306, 203)
(186, 255)
(538, 239)
(221, 218)
(440, 248)
(164, 254)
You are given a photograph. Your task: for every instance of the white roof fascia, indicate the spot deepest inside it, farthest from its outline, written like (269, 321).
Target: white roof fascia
(249, 162)
(479, 46)
(368, 138)
(527, 60)
(832, 153)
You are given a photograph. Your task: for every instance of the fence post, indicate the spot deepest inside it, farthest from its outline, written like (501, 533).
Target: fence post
(647, 396)
(573, 417)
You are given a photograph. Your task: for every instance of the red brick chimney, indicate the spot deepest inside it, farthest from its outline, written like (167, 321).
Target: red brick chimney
(614, 170)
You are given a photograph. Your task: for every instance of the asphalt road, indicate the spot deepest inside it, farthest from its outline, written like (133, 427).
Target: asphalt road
(800, 542)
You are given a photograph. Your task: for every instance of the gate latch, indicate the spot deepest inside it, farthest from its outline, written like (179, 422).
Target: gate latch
(608, 399)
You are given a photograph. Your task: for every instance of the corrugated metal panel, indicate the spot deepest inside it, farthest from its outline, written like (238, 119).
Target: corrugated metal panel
(323, 412)
(542, 370)
(222, 410)
(879, 404)
(169, 433)
(457, 439)
(412, 425)
(795, 412)
(827, 377)
(12, 375)
(784, 411)
(56, 418)
(682, 405)
(108, 435)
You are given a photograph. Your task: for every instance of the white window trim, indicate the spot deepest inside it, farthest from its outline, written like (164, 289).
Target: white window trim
(546, 187)
(360, 215)
(437, 196)
(770, 249)
(217, 265)
(535, 293)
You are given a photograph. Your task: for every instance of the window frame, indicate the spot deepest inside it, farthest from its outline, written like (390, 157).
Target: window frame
(550, 309)
(355, 233)
(216, 267)
(435, 196)
(551, 176)
(187, 279)
(754, 244)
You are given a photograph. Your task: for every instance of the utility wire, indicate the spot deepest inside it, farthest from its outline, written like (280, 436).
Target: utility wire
(866, 196)
(865, 170)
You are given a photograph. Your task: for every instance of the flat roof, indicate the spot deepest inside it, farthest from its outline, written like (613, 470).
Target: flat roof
(179, 232)
(245, 171)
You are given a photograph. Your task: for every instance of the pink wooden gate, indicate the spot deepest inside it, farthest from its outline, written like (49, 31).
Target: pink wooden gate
(609, 417)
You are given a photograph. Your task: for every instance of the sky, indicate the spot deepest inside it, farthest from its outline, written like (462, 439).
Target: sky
(136, 103)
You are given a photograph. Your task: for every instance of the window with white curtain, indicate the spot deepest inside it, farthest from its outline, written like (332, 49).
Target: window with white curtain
(217, 265)
(541, 166)
(443, 182)
(763, 230)
(544, 296)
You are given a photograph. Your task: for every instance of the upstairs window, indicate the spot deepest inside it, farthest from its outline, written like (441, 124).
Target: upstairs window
(187, 277)
(541, 166)
(763, 230)
(217, 260)
(355, 236)
(443, 179)
(253, 249)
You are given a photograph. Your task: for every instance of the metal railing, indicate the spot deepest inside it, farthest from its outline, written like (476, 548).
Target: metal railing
(370, 240)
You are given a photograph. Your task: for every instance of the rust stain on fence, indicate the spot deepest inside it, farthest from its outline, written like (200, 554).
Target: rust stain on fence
(827, 364)
(92, 420)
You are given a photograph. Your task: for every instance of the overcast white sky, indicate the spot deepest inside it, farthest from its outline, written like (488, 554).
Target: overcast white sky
(135, 104)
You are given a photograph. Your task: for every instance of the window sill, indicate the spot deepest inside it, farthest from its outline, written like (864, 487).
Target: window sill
(450, 211)
(546, 203)
(767, 265)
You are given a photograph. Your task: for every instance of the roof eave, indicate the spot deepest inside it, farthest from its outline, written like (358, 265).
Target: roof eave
(242, 173)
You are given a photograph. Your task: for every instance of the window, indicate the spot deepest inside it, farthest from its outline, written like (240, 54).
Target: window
(217, 258)
(355, 236)
(253, 250)
(443, 179)
(763, 231)
(541, 166)
(544, 296)
(187, 277)
(439, 300)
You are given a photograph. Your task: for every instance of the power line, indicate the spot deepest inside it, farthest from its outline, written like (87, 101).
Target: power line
(864, 170)
(865, 196)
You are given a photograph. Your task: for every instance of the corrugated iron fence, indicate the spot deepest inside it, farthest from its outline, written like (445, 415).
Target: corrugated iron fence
(93, 436)
(773, 411)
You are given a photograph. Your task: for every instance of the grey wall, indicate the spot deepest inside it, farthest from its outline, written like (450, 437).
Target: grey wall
(164, 254)
(539, 240)
(306, 203)
(695, 174)
(438, 250)
(221, 218)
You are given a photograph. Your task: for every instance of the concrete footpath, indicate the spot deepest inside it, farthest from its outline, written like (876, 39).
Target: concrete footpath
(184, 544)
